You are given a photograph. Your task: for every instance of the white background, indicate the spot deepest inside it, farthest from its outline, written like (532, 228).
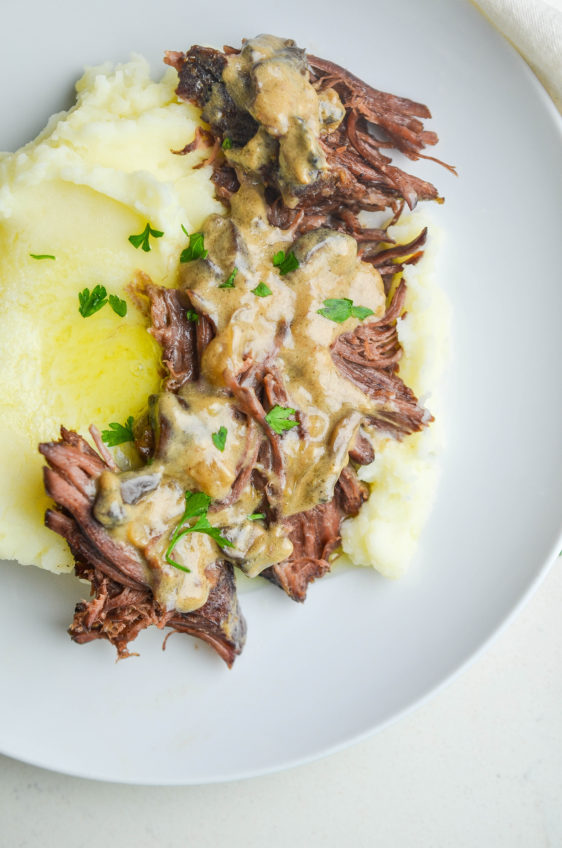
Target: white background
(478, 766)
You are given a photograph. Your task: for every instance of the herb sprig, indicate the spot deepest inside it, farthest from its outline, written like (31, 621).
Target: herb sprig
(195, 249)
(229, 283)
(279, 418)
(219, 438)
(196, 506)
(261, 290)
(340, 309)
(285, 262)
(118, 433)
(42, 256)
(118, 305)
(143, 239)
(91, 302)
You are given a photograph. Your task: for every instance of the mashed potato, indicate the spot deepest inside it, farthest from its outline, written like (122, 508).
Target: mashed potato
(404, 475)
(94, 176)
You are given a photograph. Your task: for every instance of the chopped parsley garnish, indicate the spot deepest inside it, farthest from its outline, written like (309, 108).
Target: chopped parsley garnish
(219, 438)
(91, 301)
(196, 506)
(340, 309)
(192, 315)
(255, 516)
(227, 143)
(279, 419)
(285, 263)
(42, 256)
(118, 305)
(261, 290)
(119, 433)
(196, 248)
(229, 284)
(142, 239)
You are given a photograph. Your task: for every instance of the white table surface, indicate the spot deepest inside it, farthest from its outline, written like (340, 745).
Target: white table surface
(477, 766)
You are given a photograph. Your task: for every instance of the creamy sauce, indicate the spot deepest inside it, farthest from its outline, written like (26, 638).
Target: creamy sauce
(283, 331)
(279, 336)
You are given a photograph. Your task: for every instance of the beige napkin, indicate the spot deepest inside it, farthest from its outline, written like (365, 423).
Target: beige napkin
(535, 30)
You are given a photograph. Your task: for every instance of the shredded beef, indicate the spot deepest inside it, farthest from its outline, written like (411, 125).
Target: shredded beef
(118, 614)
(369, 356)
(362, 451)
(198, 70)
(384, 259)
(315, 535)
(360, 176)
(123, 603)
(176, 335)
(200, 79)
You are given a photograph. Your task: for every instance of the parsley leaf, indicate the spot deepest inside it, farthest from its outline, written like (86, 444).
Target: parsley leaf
(255, 516)
(261, 290)
(196, 506)
(340, 309)
(91, 301)
(119, 433)
(227, 143)
(202, 525)
(119, 306)
(196, 248)
(279, 419)
(42, 256)
(361, 312)
(142, 239)
(192, 315)
(229, 284)
(285, 263)
(219, 438)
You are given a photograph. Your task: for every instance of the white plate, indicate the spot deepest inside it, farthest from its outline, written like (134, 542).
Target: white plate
(361, 650)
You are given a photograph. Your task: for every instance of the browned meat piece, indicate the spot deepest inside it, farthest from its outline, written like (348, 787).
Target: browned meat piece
(362, 451)
(175, 333)
(315, 535)
(198, 70)
(70, 482)
(219, 622)
(182, 341)
(200, 82)
(226, 182)
(369, 356)
(350, 492)
(384, 260)
(398, 116)
(123, 604)
(118, 614)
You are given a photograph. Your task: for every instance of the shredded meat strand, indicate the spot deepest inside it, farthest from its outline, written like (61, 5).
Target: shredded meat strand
(315, 535)
(123, 603)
